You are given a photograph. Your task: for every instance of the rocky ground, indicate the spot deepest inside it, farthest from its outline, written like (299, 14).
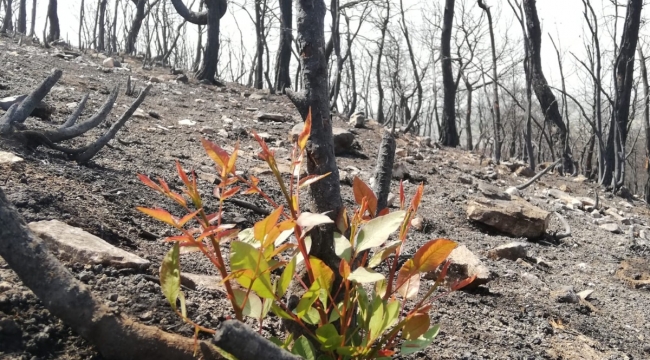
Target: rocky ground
(581, 297)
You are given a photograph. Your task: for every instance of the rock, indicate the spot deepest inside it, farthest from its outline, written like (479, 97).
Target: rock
(147, 315)
(43, 110)
(343, 140)
(580, 179)
(4, 286)
(258, 96)
(531, 278)
(155, 79)
(186, 122)
(465, 179)
(207, 130)
(517, 217)
(154, 114)
(417, 223)
(564, 188)
(265, 136)
(182, 78)
(524, 171)
(585, 294)
(202, 282)
(611, 227)
(199, 101)
(401, 152)
(565, 294)
(76, 245)
(643, 234)
(596, 214)
(222, 133)
(207, 177)
(464, 264)
(513, 191)
(108, 63)
(271, 117)
(511, 251)
(358, 120)
(9, 328)
(9, 158)
(492, 192)
(138, 113)
(391, 200)
(566, 198)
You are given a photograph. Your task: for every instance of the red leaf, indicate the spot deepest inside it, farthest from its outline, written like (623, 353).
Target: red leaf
(417, 198)
(462, 283)
(361, 191)
(147, 181)
(217, 154)
(182, 175)
(432, 254)
(159, 214)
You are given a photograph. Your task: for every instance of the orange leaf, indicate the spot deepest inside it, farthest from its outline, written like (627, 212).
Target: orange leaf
(306, 131)
(344, 269)
(217, 154)
(178, 198)
(263, 227)
(182, 175)
(432, 254)
(342, 222)
(408, 280)
(386, 352)
(417, 198)
(306, 181)
(164, 185)
(230, 192)
(462, 283)
(416, 325)
(147, 181)
(159, 214)
(232, 160)
(361, 190)
(187, 218)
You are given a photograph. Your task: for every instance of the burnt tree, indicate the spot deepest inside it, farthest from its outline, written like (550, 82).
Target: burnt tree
(141, 12)
(614, 172)
(101, 37)
(53, 17)
(211, 18)
(449, 133)
(21, 25)
(7, 23)
(283, 61)
(539, 84)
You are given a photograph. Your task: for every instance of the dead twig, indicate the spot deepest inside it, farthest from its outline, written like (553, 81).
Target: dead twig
(539, 175)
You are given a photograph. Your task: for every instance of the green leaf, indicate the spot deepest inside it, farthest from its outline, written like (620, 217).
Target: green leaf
(342, 246)
(277, 310)
(364, 276)
(181, 297)
(255, 274)
(375, 326)
(328, 337)
(287, 276)
(412, 346)
(309, 220)
(377, 230)
(312, 316)
(303, 348)
(253, 306)
(382, 254)
(170, 275)
(392, 313)
(247, 236)
(381, 287)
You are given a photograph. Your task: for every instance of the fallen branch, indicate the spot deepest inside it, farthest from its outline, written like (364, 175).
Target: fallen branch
(249, 206)
(538, 175)
(246, 344)
(115, 335)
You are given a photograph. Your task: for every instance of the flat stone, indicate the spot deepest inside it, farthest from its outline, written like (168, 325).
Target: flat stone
(76, 245)
(9, 158)
(271, 117)
(343, 140)
(464, 264)
(513, 191)
(202, 282)
(515, 217)
(465, 179)
(565, 294)
(108, 63)
(492, 192)
(186, 122)
(566, 198)
(357, 120)
(585, 294)
(611, 227)
(511, 251)
(258, 96)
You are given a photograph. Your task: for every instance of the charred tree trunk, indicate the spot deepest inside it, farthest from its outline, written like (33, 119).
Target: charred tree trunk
(7, 23)
(315, 98)
(646, 122)
(623, 71)
(380, 89)
(136, 24)
(53, 17)
(33, 23)
(22, 17)
(211, 18)
(259, 43)
(543, 92)
(468, 115)
(283, 61)
(81, 21)
(495, 86)
(449, 134)
(101, 37)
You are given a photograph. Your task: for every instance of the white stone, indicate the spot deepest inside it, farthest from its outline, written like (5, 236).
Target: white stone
(76, 245)
(108, 63)
(9, 158)
(186, 122)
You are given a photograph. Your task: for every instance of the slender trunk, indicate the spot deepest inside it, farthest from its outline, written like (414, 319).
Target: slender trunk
(22, 17)
(259, 32)
(81, 21)
(7, 24)
(468, 115)
(52, 15)
(114, 31)
(449, 134)
(380, 89)
(623, 79)
(646, 122)
(283, 60)
(32, 25)
(101, 37)
(208, 68)
(136, 24)
(495, 86)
